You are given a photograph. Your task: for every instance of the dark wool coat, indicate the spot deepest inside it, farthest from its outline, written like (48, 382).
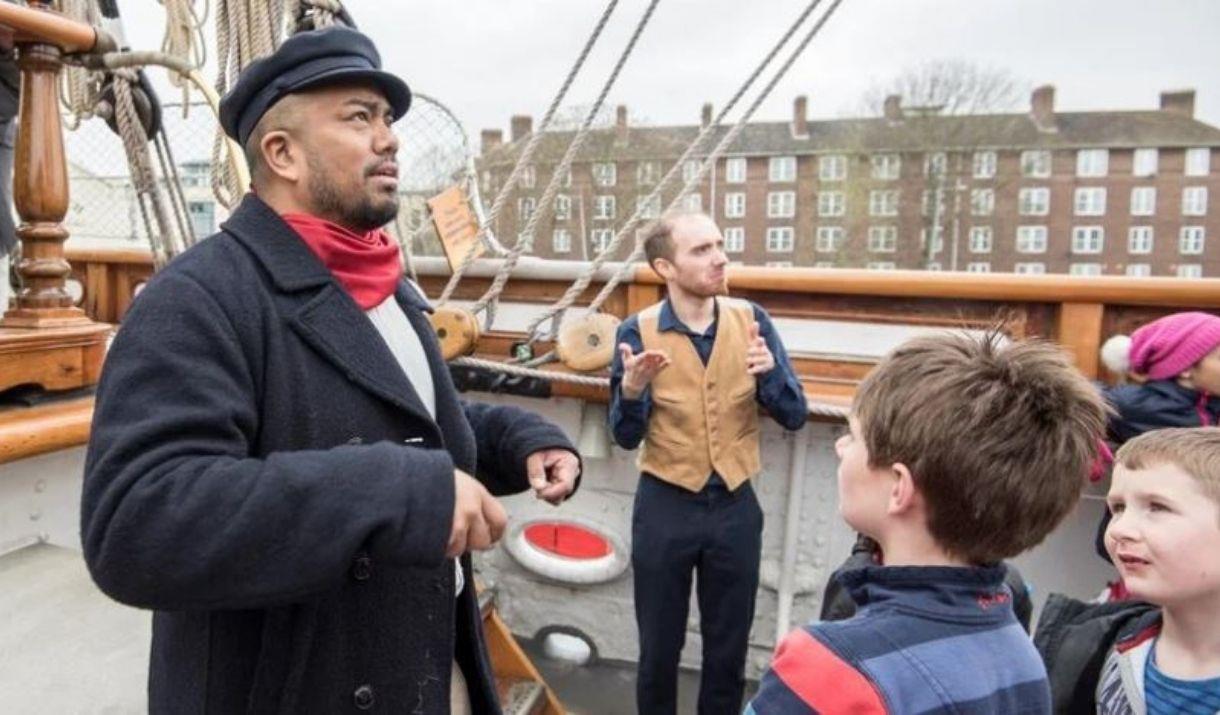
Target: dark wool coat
(262, 475)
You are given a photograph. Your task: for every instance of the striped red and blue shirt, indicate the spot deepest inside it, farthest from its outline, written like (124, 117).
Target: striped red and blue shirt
(925, 640)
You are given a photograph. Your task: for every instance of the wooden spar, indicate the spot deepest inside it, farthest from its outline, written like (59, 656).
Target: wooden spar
(67, 349)
(38, 23)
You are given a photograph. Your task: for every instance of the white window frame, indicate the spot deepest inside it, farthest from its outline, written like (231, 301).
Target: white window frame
(881, 266)
(1092, 162)
(978, 267)
(1138, 270)
(605, 174)
(693, 201)
(1088, 240)
(1089, 201)
(690, 169)
(832, 203)
(935, 164)
(780, 239)
(1140, 240)
(1144, 161)
(1084, 269)
(832, 167)
(927, 205)
(1034, 201)
(982, 202)
(883, 202)
(1189, 270)
(1031, 239)
(526, 206)
(735, 170)
(882, 239)
(779, 264)
(561, 241)
(829, 239)
(605, 207)
(600, 238)
(735, 204)
(1036, 163)
(647, 173)
(984, 164)
(1191, 240)
(981, 239)
(1032, 268)
(781, 204)
(648, 206)
(1143, 201)
(886, 167)
(938, 239)
(782, 169)
(1194, 201)
(529, 177)
(734, 239)
(563, 207)
(1197, 161)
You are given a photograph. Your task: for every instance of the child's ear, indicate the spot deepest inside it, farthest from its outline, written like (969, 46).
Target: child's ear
(903, 494)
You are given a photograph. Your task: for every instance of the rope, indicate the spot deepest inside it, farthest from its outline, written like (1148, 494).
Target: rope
(148, 195)
(81, 90)
(555, 313)
(490, 300)
(531, 372)
(184, 39)
(826, 409)
(528, 153)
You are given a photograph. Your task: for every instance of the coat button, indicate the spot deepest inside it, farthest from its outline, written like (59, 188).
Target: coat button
(362, 568)
(356, 440)
(363, 697)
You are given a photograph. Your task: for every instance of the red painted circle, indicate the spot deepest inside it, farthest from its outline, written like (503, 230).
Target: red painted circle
(567, 540)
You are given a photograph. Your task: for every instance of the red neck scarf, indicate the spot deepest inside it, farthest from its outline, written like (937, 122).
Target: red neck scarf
(367, 265)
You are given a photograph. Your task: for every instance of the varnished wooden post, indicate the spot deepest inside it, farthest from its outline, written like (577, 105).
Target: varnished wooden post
(1079, 331)
(40, 192)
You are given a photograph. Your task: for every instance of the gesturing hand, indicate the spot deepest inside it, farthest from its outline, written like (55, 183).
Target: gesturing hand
(478, 518)
(759, 359)
(552, 473)
(639, 369)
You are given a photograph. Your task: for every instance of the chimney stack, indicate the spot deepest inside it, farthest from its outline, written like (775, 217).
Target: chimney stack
(705, 116)
(620, 123)
(800, 123)
(1181, 103)
(893, 108)
(1042, 107)
(522, 125)
(490, 139)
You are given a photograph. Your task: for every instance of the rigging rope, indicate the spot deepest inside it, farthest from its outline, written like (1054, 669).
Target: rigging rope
(525, 240)
(527, 154)
(81, 89)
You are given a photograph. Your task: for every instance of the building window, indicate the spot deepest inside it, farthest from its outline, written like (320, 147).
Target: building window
(690, 171)
(1088, 239)
(783, 168)
(982, 202)
(938, 239)
(604, 174)
(1092, 162)
(647, 173)
(779, 264)
(648, 206)
(831, 203)
(603, 208)
(980, 239)
(563, 207)
(886, 166)
(1198, 161)
(1036, 164)
(566, 180)
(1031, 239)
(735, 170)
(1085, 269)
(525, 207)
(734, 239)
(881, 265)
(561, 241)
(882, 239)
(1139, 240)
(734, 205)
(1030, 268)
(1139, 270)
(203, 217)
(824, 264)
(692, 202)
(1194, 201)
(984, 164)
(781, 204)
(933, 266)
(832, 167)
(1034, 201)
(934, 164)
(779, 239)
(883, 203)
(978, 267)
(601, 238)
(928, 202)
(1190, 270)
(529, 177)
(1190, 240)
(1143, 201)
(1090, 201)
(829, 239)
(1143, 162)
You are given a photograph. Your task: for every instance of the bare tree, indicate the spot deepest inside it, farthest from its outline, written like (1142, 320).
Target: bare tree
(948, 88)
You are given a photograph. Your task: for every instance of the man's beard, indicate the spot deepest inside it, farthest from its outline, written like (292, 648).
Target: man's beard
(358, 212)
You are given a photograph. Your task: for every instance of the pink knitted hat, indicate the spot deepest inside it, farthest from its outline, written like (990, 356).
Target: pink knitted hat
(1165, 347)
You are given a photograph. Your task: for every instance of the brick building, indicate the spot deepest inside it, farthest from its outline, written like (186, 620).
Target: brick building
(1112, 193)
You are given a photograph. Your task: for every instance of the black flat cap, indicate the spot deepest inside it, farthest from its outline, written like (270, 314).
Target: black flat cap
(307, 59)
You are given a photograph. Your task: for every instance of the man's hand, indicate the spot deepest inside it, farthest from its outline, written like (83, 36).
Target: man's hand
(639, 370)
(552, 473)
(759, 359)
(478, 519)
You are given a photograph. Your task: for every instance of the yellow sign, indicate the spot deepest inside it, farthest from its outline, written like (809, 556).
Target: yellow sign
(456, 225)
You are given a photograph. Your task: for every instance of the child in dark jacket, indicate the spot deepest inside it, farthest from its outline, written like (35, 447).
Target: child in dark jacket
(961, 452)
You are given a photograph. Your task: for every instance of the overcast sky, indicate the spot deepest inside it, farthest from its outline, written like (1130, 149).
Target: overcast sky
(489, 59)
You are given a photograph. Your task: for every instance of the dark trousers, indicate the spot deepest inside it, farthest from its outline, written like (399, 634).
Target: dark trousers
(675, 533)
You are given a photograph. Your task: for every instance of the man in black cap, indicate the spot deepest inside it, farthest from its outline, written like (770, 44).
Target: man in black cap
(279, 464)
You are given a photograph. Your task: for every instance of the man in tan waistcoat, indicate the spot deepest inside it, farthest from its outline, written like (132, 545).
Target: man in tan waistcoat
(689, 376)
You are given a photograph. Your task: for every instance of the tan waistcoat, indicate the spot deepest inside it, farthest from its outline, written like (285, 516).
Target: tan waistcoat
(703, 418)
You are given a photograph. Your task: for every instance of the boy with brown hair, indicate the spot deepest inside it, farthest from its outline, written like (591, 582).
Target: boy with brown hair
(962, 451)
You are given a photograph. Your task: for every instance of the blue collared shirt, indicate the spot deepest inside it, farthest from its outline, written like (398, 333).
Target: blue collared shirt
(779, 391)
